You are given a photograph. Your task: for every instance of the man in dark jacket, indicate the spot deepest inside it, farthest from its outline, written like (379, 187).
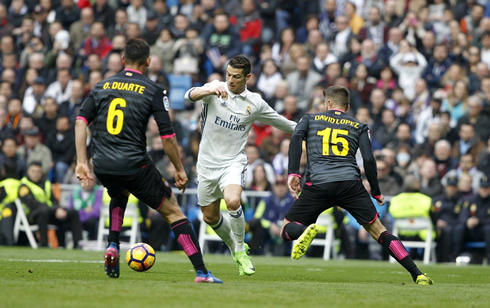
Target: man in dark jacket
(62, 146)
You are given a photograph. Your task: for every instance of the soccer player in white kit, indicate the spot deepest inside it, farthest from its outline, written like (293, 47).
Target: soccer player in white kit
(228, 112)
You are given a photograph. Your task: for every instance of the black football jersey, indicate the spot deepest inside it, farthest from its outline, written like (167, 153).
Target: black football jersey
(332, 140)
(119, 108)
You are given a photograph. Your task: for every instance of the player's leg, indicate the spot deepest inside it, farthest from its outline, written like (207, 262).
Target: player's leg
(117, 207)
(299, 222)
(231, 183)
(220, 224)
(396, 249)
(149, 187)
(185, 236)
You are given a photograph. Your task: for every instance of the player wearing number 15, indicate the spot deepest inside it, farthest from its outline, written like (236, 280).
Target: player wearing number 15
(333, 178)
(119, 108)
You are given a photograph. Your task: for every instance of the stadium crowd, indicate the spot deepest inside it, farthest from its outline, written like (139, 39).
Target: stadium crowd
(418, 72)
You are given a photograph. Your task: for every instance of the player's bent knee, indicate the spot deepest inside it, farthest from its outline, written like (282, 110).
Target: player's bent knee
(233, 203)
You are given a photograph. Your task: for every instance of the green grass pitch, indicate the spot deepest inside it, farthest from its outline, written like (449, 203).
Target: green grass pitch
(69, 278)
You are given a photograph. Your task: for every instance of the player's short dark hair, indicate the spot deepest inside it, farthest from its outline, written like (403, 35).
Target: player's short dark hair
(136, 51)
(338, 94)
(241, 62)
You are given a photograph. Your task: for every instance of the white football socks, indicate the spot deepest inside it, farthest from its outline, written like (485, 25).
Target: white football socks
(237, 223)
(223, 229)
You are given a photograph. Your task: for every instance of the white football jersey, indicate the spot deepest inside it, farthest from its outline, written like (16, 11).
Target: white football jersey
(225, 124)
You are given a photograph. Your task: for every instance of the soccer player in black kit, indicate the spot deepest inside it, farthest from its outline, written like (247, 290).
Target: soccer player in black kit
(119, 108)
(333, 179)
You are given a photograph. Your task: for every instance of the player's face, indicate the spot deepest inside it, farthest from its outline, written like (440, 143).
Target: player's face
(236, 80)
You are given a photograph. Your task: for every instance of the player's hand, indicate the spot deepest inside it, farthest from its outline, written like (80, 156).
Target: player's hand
(294, 186)
(82, 171)
(380, 200)
(220, 92)
(181, 180)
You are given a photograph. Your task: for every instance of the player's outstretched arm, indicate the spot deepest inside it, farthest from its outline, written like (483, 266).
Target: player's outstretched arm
(198, 93)
(82, 170)
(171, 148)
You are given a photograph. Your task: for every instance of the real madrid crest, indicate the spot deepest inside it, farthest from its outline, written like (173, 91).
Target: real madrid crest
(249, 110)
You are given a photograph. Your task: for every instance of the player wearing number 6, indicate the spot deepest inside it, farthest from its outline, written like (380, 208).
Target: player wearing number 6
(333, 179)
(119, 108)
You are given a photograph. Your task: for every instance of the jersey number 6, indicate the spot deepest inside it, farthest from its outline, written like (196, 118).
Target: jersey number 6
(334, 142)
(113, 113)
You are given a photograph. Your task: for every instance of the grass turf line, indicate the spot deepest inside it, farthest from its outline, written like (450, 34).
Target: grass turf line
(279, 282)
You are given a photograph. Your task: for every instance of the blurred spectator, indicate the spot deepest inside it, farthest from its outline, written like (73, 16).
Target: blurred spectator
(291, 109)
(281, 159)
(430, 184)
(356, 22)
(67, 13)
(457, 101)
(96, 42)
(313, 40)
(16, 12)
(11, 165)
(137, 13)
(428, 115)
(57, 60)
(361, 83)
(222, 40)
(249, 23)
(474, 220)
(114, 63)
(5, 131)
(266, 223)
(164, 49)
(322, 58)
(403, 137)
(387, 183)
(280, 49)
(47, 121)
(34, 96)
(437, 66)
(189, 54)
(267, 9)
(254, 159)
(7, 27)
(280, 92)
(151, 28)
(180, 24)
(104, 12)
(156, 73)
(87, 202)
(386, 132)
(60, 90)
(70, 107)
(427, 44)
(80, 29)
(302, 81)
(33, 150)
(442, 157)
(42, 208)
(470, 22)
(468, 143)
(466, 166)
(14, 114)
(445, 215)
(120, 23)
(339, 38)
(269, 78)
(327, 18)
(409, 65)
(259, 180)
(133, 31)
(374, 28)
(476, 118)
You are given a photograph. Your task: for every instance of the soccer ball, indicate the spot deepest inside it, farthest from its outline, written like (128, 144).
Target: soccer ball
(140, 257)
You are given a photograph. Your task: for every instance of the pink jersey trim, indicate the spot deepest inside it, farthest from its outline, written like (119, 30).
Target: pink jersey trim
(134, 71)
(376, 197)
(337, 110)
(294, 174)
(183, 222)
(167, 136)
(83, 119)
(309, 183)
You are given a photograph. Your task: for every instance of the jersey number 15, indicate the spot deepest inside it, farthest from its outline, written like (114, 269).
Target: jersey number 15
(331, 140)
(113, 113)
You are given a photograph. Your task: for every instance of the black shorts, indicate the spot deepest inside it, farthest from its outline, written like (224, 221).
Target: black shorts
(349, 195)
(147, 185)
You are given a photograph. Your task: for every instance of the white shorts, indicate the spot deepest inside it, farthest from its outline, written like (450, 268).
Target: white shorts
(211, 182)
